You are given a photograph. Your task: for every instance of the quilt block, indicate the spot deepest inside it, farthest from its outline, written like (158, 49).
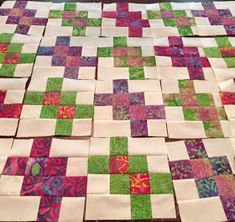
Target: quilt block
(24, 17)
(11, 102)
(204, 167)
(60, 106)
(54, 178)
(129, 107)
(74, 19)
(126, 58)
(194, 109)
(68, 57)
(138, 185)
(17, 54)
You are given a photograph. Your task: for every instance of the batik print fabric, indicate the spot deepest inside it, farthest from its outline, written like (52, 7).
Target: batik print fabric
(205, 169)
(74, 19)
(23, 17)
(129, 108)
(128, 179)
(62, 107)
(67, 57)
(42, 176)
(126, 58)
(194, 109)
(11, 102)
(17, 54)
(165, 19)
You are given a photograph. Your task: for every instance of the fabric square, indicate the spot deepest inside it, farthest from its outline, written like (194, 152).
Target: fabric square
(98, 165)
(139, 184)
(225, 185)
(181, 169)
(161, 183)
(119, 164)
(206, 187)
(220, 165)
(202, 168)
(118, 146)
(196, 149)
(75, 186)
(119, 184)
(66, 112)
(138, 164)
(15, 166)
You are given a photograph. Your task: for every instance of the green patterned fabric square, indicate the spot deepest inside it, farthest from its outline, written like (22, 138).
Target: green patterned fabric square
(105, 52)
(6, 38)
(84, 112)
(56, 14)
(54, 84)
(82, 14)
(223, 42)
(138, 164)
(172, 99)
(49, 112)
(136, 73)
(221, 113)
(119, 146)
(94, 22)
(185, 31)
(213, 129)
(79, 31)
(149, 61)
(15, 47)
(68, 98)
(186, 86)
(2, 57)
(7, 70)
(98, 165)
(169, 22)
(119, 41)
(153, 14)
(69, 6)
(119, 184)
(161, 183)
(165, 6)
(68, 22)
(230, 62)
(120, 61)
(205, 99)
(33, 98)
(141, 207)
(180, 13)
(191, 113)
(27, 57)
(64, 127)
(212, 52)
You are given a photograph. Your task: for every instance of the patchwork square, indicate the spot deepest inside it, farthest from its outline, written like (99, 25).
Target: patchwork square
(67, 57)
(17, 55)
(135, 176)
(60, 104)
(74, 19)
(202, 166)
(43, 169)
(128, 109)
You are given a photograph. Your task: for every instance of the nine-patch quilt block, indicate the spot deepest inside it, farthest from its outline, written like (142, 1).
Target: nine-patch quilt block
(68, 57)
(60, 106)
(138, 184)
(42, 176)
(205, 168)
(129, 108)
(17, 54)
(194, 109)
(74, 19)
(24, 17)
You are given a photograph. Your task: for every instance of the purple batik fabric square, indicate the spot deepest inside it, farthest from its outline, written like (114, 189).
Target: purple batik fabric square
(220, 165)
(136, 98)
(4, 11)
(175, 41)
(155, 112)
(196, 149)
(58, 61)
(120, 86)
(88, 61)
(71, 73)
(63, 40)
(230, 29)
(121, 112)
(44, 50)
(206, 187)
(228, 203)
(74, 51)
(13, 20)
(29, 12)
(104, 99)
(39, 21)
(181, 169)
(139, 128)
(20, 4)
(22, 29)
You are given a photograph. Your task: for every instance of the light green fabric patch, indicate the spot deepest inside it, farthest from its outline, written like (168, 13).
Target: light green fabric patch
(119, 184)
(161, 183)
(33, 98)
(49, 112)
(138, 164)
(98, 165)
(136, 73)
(54, 84)
(119, 146)
(64, 127)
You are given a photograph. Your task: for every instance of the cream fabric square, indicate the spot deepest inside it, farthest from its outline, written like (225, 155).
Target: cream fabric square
(158, 164)
(98, 184)
(14, 96)
(10, 185)
(146, 146)
(72, 209)
(163, 206)
(103, 113)
(174, 113)
(144, 86)
(85, 98)
(157, 128)
(77, 166)
(206, 210)
(153, 98)
(21, 147)
(185, 189)
(13, 84)
(2, 163)
(81, 127)
(10, 210)
(31, 112)
(107, 207)
(99, 146)
(105, 62)
(8, 127)
(5, 146)
(69, 148)
(177, 151)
